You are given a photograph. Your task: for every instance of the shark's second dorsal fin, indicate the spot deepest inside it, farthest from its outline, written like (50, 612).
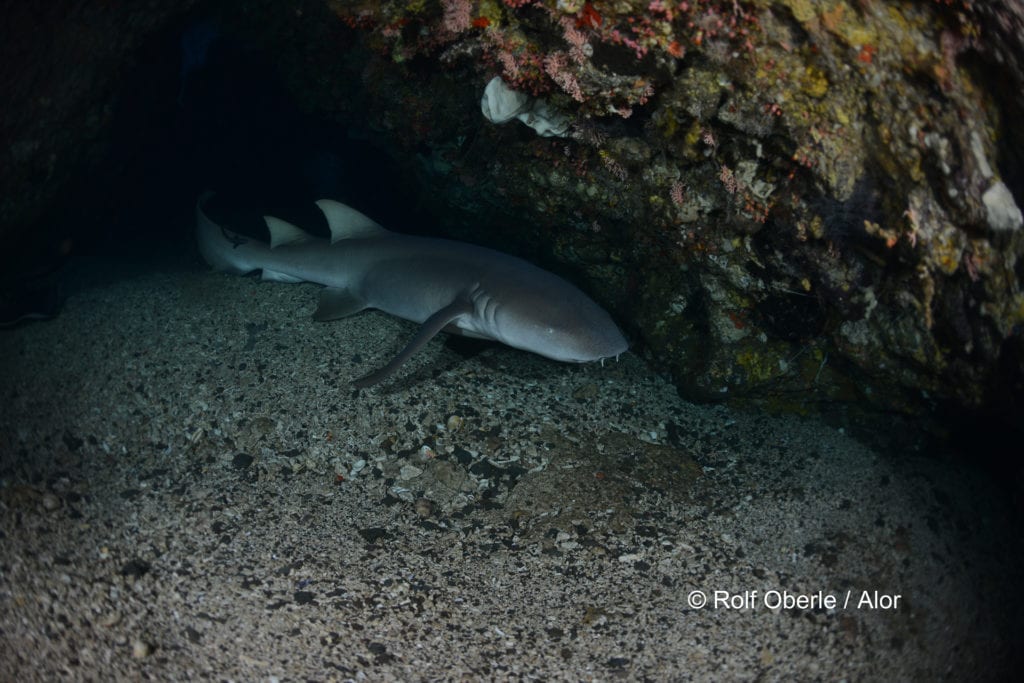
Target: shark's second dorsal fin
(283, 232)
(346, 223)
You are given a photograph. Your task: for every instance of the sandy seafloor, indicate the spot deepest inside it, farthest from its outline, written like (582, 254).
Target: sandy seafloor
(190, 489)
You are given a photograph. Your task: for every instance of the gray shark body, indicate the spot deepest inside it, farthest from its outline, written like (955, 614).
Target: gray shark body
(442, 284)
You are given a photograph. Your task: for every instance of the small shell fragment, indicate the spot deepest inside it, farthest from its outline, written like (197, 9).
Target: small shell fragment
(424, 507)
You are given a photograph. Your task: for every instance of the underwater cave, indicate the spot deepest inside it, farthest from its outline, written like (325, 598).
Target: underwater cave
(398, 434)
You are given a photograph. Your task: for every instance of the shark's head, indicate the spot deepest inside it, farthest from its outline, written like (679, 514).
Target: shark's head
(562, 324)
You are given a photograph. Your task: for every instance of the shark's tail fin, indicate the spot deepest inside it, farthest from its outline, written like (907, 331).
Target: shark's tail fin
(223, 249)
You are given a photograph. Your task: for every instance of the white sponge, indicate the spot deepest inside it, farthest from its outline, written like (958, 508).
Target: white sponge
(501, 104)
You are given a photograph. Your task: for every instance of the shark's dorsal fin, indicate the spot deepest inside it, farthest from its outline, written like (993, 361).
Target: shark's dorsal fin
(346, 223)
(283, 232)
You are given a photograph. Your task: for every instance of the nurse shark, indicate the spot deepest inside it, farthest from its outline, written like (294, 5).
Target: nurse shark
(443, 285)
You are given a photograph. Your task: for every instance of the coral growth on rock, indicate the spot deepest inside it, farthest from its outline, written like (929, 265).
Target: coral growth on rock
(816, 191)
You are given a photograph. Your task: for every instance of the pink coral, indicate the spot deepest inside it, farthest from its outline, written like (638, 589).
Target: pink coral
(508, 65)
(676, 193)
(457, 15)
(556, 65)
(728, 179)
(576, 39)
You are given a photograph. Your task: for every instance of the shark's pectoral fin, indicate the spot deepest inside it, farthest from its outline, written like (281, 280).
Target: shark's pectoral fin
(430, 328)
(337, 303)
(455, 329)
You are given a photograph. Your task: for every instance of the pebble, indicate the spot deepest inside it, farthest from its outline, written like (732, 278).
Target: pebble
(111, 619)
(409, 472)
(140, 649)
